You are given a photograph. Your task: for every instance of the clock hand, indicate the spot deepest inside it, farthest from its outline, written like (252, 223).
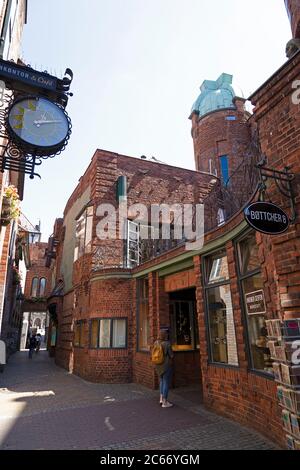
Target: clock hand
(46, 121)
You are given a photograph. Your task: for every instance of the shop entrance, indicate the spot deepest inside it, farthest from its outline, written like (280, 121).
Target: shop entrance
(184, 336)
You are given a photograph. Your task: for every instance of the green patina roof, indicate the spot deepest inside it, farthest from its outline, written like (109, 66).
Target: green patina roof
(215, 95)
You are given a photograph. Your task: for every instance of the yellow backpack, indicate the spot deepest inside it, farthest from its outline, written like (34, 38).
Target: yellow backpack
(157, 353)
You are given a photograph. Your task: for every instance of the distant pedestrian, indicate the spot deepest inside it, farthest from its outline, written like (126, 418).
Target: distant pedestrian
(32, 345)
(164, 367)
(38, 342)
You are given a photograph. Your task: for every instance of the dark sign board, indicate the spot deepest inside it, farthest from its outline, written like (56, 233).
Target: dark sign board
(255, 302)
(13, 72)
(267, 218)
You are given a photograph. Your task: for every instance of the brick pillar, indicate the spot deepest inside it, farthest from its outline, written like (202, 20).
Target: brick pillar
(236, 305)
(200, 312)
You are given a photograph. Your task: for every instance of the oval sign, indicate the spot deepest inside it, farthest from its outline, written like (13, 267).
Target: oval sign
(267, 218)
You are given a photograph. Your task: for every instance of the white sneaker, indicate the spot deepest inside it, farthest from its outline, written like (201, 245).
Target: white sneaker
(167, 404)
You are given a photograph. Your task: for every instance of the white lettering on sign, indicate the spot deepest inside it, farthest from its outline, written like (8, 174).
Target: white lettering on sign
(268, 216)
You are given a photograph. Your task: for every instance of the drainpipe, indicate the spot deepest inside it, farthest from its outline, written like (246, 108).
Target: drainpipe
(5, 27)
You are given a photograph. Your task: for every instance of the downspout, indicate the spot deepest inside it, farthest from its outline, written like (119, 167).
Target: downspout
(5, 27)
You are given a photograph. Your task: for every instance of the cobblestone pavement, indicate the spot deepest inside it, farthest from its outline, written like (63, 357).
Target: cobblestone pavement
(44, 407)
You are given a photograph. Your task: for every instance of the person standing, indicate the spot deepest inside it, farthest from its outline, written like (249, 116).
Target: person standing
(164, 370)
(38, 342)
(32, 345)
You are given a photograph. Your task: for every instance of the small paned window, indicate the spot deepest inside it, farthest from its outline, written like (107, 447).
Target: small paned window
(108, 333)
(42, 286)
(34, 287)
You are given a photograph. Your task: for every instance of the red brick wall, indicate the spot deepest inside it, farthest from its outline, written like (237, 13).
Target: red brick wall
(293, 8)
(278, 119)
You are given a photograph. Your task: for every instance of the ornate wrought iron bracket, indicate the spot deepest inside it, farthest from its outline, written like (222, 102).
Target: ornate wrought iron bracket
(283, 181)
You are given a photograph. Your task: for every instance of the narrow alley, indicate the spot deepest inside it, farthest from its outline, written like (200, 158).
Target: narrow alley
(44, 407)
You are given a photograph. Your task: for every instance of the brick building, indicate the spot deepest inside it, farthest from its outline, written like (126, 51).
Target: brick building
(36, 291)
(110, 297)
(13, 16)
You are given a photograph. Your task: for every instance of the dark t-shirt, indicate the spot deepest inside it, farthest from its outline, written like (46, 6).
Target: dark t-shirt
(168, 355)
(32, 342)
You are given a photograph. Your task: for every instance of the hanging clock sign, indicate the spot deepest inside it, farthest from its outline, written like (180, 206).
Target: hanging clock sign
(38, 126)
(267, 218)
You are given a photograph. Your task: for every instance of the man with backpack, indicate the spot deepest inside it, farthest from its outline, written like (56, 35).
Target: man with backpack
(162, 357)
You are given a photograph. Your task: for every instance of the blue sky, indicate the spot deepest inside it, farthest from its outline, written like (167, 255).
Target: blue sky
(138, 65)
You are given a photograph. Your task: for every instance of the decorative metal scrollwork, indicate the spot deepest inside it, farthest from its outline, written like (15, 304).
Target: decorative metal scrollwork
(283, 181)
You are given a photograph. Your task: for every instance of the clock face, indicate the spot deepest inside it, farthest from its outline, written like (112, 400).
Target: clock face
(38, 122)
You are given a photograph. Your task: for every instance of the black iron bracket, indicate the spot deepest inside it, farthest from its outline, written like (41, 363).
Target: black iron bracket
(283, 181)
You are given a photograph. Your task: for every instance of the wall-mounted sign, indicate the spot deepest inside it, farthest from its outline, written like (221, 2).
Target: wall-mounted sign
(267, 218)
(255, 302)
(27, 75)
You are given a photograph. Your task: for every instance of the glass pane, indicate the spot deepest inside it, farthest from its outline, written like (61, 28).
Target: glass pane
(224, 169)
(94, 333)
(182, 327)
(82, 334)
(80, 235)
(42, 286)
(255, 310)
(89, 231)
(143, 324)
(143, 289)
(104, 335)
(221, 326)
(249, 259)
(34, 287)
(77, 334)
(217, 268)
(119, 333)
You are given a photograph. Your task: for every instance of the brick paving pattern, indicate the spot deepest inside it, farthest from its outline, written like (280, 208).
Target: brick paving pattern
(44, 407)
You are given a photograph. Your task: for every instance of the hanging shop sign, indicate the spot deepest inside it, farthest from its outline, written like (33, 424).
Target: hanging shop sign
(255, 302)
(26, 80)
(266, 217)
(13, 72)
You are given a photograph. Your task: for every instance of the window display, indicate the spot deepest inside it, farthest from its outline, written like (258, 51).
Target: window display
(223, 348)
(254, 304)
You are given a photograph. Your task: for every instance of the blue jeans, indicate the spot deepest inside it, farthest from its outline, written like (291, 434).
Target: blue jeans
(30, 352)
(164, 383)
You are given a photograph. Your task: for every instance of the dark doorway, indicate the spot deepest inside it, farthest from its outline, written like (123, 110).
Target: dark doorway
(184, 337)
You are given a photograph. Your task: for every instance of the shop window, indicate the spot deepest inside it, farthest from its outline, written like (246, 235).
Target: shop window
(42, 287)
(83, 233)
(34, 287)
(143, 314)
(254, 304)
(108, 333)
(79, 334)
(184, 331)
(220, 320)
